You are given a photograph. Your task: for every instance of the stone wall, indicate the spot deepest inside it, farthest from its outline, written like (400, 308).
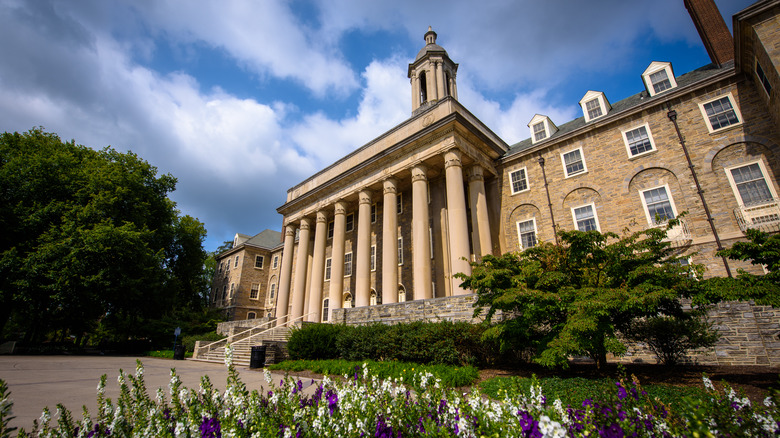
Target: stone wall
(750, 334)
(232, 327)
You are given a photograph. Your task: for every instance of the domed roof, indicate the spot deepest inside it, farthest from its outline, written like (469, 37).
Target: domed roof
(431, 46)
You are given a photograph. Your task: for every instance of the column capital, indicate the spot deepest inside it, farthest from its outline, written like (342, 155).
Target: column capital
(365, 196)
(452, 157)
(476, 173)
(322, 216)
(419, 172)
(289, 230)
(340, 207)
(389, 185)
(305, 223)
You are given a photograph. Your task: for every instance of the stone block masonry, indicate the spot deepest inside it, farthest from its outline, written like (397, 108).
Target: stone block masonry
(750, 334)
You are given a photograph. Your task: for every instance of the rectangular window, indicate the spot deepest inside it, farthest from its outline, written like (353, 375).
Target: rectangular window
(276, 261)
(594, 108)
(720, 113)
(430, 238)
(373, 257)
(259, 262)
(236, 262)
(272, 292)
(232, 290)
(526, 233)
(750, 184)
(330, 230)
(658, 205)
(400, 251)
(350, 222)
(254, 292)
(638, 141)
(763, 79)
(348, 264)
(518, 180)
(373, 213)
(660, 81)
(585, 218)
(327, 269)
(325, 310)
(573, 163)
(399, 204)
(539, 131)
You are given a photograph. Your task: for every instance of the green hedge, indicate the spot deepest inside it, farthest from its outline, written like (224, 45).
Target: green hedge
(446, 343)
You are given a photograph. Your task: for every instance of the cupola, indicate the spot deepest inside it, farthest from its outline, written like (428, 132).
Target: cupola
(432, 74)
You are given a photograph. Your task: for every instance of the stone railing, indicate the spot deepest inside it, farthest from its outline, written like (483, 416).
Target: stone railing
(764, 216)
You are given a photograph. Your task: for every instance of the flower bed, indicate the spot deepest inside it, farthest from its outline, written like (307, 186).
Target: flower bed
(364, 405)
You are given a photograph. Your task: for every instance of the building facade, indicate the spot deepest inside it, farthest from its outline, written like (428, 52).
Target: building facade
(396, 218)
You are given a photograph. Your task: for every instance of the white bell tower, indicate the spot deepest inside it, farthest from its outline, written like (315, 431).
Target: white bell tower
(432, 75)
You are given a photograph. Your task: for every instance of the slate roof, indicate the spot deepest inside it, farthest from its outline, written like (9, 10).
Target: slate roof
(625, 104)
(268, 239)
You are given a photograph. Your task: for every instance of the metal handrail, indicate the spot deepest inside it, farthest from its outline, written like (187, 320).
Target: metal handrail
(208, 346)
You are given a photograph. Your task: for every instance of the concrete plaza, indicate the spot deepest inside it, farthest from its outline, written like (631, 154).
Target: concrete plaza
(39, 381)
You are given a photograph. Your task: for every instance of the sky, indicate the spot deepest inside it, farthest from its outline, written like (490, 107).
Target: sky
(242, 99)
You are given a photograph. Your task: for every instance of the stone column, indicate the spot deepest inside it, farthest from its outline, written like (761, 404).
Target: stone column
(337, 258)
(480, 222)
(456, 214)
(390, 243)
(441, 85)
(431, 83)
(318, 268)
(415, 93)
(363, 257)
(283, 295)
(301, 268)
(421, 248)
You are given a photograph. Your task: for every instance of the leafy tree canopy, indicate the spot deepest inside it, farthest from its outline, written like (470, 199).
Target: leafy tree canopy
(90, 237)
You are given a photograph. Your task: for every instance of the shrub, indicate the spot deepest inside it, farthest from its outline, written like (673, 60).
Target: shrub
(362, 342)
(669, 338)
(189, 341)
(314, 341)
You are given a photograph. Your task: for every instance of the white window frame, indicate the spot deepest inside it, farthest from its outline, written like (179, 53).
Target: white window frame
(651, 220)
(430, 239)
(582, 158)
(598, 97)
(330, 230)
(236, 265)
(734, 108)
(348, 263)
(549, 128)
(325, 309)
(625, 132)
(655, 67)
(276, 262)
(519, 235)
(373, 213)
(262, 261)
(347, 227)
(328, 267)
(253, 288)
(373, 258)
(537, 132)
(524, 171)
(400, 250)
(272, 292)
(595, 216)
(232, 291)
(764, 172)
(399, 203)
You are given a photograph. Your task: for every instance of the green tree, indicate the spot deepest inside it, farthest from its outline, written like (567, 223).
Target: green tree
(89, 236)
(575, 298)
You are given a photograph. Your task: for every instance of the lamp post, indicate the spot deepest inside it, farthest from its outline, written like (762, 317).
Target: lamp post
(549, 202)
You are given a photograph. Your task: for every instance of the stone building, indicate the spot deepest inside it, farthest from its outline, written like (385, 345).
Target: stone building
(393, 220)
(246, 276)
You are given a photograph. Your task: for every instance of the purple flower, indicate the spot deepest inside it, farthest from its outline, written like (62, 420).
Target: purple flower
(210, 428)
(333, 400)
(621, 391)
(613, 431)
(529, 425)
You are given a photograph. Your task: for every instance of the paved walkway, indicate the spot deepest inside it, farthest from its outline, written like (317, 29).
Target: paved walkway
(39, 381)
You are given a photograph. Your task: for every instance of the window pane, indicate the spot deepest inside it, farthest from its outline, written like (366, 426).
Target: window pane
(638, 141)
(586, 219)
(594, 108)
(519, 182)
(539, 132)
(573, 162)
(347, 264)
(658, 205)
(751, 184)
(660, 81)
(721, 113)
(526, 234)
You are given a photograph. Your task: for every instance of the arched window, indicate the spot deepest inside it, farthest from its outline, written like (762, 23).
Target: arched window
(447, 80)
(347, 301)
(372, 300)
(251, 315)
(401, 293)
(325, 310)
(423, 88)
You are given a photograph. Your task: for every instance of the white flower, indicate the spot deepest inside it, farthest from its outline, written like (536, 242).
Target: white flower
(228, 355)
(708, 383)
(550, 428)
(768, 402)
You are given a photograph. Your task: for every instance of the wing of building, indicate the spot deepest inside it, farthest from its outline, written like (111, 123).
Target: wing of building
(396, 218)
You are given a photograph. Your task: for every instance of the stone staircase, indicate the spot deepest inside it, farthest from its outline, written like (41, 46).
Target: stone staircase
(275, 341)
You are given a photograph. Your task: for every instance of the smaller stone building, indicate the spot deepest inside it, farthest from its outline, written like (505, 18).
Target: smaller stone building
(246, 276)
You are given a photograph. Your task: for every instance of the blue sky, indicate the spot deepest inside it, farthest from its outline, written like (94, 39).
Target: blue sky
(240, 100)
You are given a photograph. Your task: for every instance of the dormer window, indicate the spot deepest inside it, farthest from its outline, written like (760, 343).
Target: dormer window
(659, 77)
(594, 105)
(541, 128)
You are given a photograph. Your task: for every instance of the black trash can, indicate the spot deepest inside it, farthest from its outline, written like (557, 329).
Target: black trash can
(257, 359)
(178, 352)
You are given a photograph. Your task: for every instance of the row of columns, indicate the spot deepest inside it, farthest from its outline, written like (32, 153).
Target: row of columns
(308, 298)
